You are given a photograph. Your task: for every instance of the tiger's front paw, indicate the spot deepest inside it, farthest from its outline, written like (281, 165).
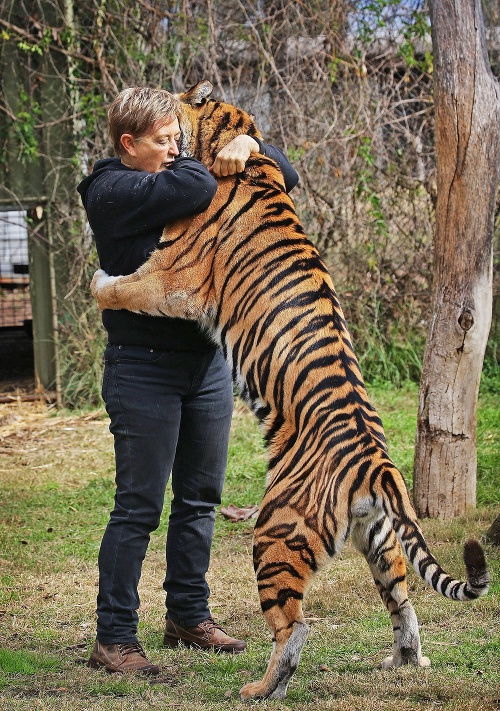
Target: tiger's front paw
(100, 288)
(97, 282)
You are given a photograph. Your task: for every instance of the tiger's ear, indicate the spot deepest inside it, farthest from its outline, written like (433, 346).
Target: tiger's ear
(196, 95)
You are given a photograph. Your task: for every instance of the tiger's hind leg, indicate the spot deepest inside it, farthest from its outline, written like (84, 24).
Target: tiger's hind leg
(287, 646)
(382, 550)
(282, 578)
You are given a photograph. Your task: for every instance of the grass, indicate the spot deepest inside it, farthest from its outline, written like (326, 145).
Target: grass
(394, 358)
(56, 490)
(25, 663)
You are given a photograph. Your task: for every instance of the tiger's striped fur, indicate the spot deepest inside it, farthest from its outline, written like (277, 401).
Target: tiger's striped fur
(247, 272)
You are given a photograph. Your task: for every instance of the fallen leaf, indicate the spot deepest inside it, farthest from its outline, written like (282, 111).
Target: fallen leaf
(233, 513)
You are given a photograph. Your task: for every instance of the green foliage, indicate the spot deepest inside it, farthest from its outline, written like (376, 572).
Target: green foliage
(295, 154)
(24, 129)
(366, 188)
(91, 106)
(247, 460)
(333, 69)
(416, 28)
(394, 357)
(81, 356)
(371, 16)
(398, 410)
(38, 48)
(410, 19)
(490, 379)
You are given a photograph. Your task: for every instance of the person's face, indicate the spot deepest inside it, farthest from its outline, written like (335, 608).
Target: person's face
(153, 152)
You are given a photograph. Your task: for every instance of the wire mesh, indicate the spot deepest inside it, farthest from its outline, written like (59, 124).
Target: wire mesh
(15, 303)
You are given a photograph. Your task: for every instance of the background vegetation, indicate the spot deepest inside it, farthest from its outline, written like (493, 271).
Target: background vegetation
(344, 87)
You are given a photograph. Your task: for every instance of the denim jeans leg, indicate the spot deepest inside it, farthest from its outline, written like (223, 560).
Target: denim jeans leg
(197, 481)
(143, 392)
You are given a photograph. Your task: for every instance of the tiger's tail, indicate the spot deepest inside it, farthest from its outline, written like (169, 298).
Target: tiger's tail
(400, 511)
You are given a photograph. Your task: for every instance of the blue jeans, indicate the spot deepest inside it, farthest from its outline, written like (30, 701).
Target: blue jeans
(170, 412)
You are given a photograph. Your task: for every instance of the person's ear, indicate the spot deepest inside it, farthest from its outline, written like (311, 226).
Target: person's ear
(128, 143)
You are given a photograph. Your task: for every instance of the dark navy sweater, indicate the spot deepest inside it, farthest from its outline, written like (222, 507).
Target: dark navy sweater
(127, 211)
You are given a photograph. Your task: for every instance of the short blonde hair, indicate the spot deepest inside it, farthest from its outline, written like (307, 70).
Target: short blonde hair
(138, 110)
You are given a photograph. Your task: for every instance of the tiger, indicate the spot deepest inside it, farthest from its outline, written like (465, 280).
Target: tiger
(247, 272)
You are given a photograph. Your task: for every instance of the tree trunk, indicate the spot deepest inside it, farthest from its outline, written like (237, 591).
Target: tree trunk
(467, 105)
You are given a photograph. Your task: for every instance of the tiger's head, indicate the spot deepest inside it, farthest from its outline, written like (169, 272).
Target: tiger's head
(208, 125)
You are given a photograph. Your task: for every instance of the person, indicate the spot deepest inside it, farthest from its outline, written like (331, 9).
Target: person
(166, 386)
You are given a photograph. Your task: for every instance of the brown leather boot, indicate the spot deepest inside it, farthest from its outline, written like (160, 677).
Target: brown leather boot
(120, 658)
(207, 635)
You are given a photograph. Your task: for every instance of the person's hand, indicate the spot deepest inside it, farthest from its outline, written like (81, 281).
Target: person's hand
(233, 157)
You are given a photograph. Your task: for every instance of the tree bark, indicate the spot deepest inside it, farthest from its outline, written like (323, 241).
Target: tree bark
(467, 106)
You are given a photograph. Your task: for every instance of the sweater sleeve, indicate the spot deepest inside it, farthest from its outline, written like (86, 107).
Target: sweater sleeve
(289, 173)
(135, 201)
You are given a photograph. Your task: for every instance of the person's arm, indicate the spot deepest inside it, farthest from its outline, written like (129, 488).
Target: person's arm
(128, 209)
(134, 202)
(233, 157)
(289, 173)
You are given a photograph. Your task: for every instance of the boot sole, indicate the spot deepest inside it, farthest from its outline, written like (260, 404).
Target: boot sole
(173, 642)
(99, 665)
(94, 664)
